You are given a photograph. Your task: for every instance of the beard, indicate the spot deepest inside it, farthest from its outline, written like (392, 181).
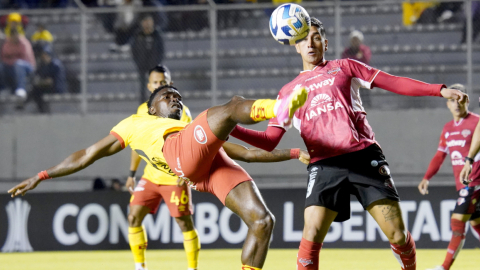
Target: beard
(175, 115)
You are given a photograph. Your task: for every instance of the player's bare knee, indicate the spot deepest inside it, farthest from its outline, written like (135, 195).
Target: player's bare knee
(237, 99)
(264, 224)
(133, 220)
(397, 237)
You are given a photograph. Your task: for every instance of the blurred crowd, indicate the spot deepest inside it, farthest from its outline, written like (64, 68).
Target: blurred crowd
(28, 66)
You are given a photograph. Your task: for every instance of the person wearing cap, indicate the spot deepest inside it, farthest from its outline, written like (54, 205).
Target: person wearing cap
(49, 78)
(357, 50)
(17, 62)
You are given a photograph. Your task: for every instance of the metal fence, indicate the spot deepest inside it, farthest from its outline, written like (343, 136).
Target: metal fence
(106, 53)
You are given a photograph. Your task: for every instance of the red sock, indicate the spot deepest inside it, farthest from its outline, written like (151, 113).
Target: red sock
(406, 253)
(456, 244)
(308, 255)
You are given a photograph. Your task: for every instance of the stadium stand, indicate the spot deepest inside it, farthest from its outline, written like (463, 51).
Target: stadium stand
(248, 58)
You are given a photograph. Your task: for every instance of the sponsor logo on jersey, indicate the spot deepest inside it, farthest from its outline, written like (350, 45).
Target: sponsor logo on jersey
(466, 132)
(457, 158)
(311, 78)
(460, 143)
(460, 201)
(446, 135)
(305, 262)
(315, 86)
(384, 170)
(322, 103)
(200, 135)
(463, 192)
(334, 71)
(455, 133)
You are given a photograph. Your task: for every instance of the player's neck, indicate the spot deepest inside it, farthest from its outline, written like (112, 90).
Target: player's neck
(460, 117)
(310, 66)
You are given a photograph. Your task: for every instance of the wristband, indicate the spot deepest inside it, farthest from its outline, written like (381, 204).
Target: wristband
(43, 175)
(132, 173)
(469, 159)
(295, 153)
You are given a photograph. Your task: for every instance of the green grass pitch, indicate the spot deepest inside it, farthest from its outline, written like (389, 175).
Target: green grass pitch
(229, 259)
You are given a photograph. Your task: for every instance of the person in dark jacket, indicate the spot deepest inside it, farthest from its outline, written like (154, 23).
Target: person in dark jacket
(148, 51)
(49, 78)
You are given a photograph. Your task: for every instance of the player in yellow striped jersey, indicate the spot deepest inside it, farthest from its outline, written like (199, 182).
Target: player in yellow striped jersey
(156, 185)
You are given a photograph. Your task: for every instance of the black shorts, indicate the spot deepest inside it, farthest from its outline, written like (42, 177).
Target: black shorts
(363, 173)
(468, 202)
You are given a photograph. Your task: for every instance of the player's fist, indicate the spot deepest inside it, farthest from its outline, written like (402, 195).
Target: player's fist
(130, 185)
(423, 187)
(465, 173)
(454, 94)
(304, 157)
(24, 186)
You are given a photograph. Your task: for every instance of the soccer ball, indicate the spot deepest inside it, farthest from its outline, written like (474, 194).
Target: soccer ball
(289, 24)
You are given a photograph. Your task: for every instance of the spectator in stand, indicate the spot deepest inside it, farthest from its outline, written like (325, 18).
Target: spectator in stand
(361, 52)
(148, 51)
(125, 25)
(99, 184)
(357, 50)
(14, 20)
(41, 38)
(18, 62)
(116, 185)
(49, 78)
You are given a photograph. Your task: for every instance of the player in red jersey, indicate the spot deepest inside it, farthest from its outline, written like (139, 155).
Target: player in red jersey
(455, 141)
(345, 157)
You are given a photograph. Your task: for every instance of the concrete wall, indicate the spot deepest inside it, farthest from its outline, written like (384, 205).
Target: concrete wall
(29, 144)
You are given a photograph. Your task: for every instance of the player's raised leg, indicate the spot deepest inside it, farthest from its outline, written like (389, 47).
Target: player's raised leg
(388, 215)
(222, 119)
(317, 222)
(245, 201)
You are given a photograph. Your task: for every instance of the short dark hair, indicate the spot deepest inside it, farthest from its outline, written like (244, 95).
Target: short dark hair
(154, 93)
(317, 23)
(161, 69)
(460, 87)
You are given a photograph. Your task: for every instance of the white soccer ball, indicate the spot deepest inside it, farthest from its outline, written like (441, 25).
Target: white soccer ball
(289, 24)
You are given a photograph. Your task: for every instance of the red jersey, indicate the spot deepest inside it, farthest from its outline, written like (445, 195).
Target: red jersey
(455, 141)
(332, 122)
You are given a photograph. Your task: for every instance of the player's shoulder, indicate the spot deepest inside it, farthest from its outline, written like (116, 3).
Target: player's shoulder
(448, 125)
(142, 109)
(474, 116)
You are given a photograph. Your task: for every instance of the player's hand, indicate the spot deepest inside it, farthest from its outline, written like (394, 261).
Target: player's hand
(24, 186)
(465, 173)
(130, 185)
(454, 94)
(180, 182)
(423, 187)
(304, 157)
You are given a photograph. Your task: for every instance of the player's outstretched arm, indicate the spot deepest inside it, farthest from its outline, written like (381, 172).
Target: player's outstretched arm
(410, 87)
(73, 163)
(134, 162)
(433, 168)
(242, 153)
(266, 140)
(472, 152)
